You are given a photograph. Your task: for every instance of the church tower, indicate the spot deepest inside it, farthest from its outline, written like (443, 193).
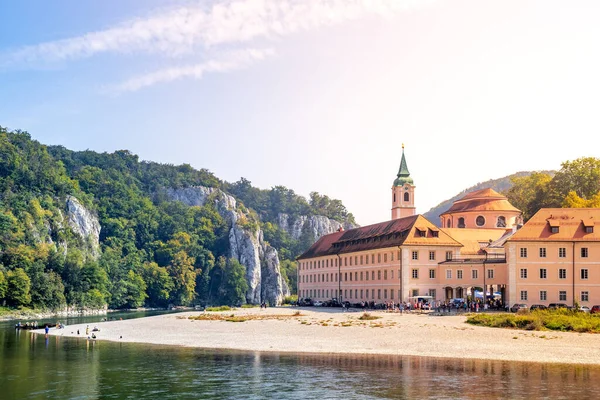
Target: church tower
(403, 192)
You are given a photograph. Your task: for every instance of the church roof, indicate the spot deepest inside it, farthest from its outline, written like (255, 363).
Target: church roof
(482, 200)
(474, 239)
(570, 223)
(412, 230)
(403, 175)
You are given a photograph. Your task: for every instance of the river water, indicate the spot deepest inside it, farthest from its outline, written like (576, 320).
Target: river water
(33, 367)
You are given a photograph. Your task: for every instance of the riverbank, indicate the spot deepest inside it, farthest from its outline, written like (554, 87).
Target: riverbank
(31, 315)
(333, 331)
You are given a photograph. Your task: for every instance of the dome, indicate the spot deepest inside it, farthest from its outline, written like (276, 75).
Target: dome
(482, 200)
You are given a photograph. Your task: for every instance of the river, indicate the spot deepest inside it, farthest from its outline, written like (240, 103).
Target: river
(35, 367)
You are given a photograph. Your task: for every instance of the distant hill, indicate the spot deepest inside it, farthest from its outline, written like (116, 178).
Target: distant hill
(500, 185)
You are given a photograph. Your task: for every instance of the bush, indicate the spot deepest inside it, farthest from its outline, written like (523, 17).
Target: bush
(293, 299)
(219, 308)
(555, 320)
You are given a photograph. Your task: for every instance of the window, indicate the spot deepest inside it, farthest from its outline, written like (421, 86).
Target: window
(378, 294)
(523, 273)
(392, 256)
(501, 222)
(415, 292)
(474, 274)
(350, 276)
(385, 274)
(415, 255)
(523, 252)
(367, 275)
(350, 293)
(584, 273)
(415, 273)
(554, 229)
(542, 252)
(448, 274)
(392, 294)
(589, 229)
(490, 274)
(448, 255)
(350, 261)
(448, 224)
(584, 252)
(373, 294)
(385, 293)
(392, 274)
(585, 296)
(356, 276)
(543, 273)
(523, 295)
(378, 275)
(346, 277)
(361, 276)
(562, 273)
(394, 197)
(459, 274)
(480, 220)
(345, 261)
(562, 252)
(361, 293)
(562, 295)
(372, 275)
(543, 295)
(372, 258)
(422, 233)
(406, 196)
(361, 260)
(461, 222)
(385, 257)
(432, 293)
(379, 258)
(435, 234)
(432, 274)
(367, 294)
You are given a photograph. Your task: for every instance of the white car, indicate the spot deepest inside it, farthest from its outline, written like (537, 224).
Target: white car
(318, 303)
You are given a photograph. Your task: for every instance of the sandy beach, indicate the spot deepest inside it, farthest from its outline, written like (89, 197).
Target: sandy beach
(333, 331)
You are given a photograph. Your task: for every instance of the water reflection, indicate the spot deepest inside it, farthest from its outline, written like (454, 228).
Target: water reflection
(38, 367)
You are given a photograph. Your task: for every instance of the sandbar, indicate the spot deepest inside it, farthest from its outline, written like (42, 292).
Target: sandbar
(332, 331)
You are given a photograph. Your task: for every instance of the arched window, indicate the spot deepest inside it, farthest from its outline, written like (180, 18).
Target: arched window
(406, 196)
(394, 197)
(501, 223)
(449, 224)
(480, 220)
(461, 222)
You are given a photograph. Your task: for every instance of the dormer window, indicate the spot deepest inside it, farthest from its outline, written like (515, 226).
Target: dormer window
(554, 229)
(589, 229)
(422, 233)
(501, 222)
(461, 222)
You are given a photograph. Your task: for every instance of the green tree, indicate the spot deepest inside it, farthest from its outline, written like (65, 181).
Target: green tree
(18, 288)
(530, 193)
(3, 286)
(159, 284)
(182, 272)
(135, 289)
(581, 176)
(234, 285)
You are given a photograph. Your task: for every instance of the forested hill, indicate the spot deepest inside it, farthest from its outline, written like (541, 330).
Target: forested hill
(91, 229)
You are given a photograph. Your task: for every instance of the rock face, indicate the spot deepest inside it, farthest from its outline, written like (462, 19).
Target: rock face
(246, 244)
(85, 225)
(318, 225)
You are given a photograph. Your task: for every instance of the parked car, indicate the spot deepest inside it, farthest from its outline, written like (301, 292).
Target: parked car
(595, 309)
(537, 307)
(516, 307)
(554, 306)
(584, 309)
(318, 303)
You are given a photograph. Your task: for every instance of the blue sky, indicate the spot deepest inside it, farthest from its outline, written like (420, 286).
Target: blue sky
(316, 95)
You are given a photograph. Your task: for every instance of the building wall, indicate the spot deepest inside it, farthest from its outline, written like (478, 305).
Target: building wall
(470, 217)
(565, 271)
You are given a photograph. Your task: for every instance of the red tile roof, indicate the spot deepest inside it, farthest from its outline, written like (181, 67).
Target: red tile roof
(571, 223)
(482, 200)
(384, 234)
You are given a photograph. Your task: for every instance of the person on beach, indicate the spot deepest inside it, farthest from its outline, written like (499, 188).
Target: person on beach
(47, 329)
(87, 330)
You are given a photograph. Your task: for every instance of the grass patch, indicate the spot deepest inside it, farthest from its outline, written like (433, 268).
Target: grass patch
(368, 317)
(540, 320)
(219, 308)
(249, 305)
(239, 318)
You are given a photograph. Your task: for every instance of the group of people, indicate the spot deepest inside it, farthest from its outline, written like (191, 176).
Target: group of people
(468, 305)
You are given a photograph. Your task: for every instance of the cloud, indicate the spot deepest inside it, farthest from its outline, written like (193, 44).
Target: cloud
(180, 31)
(228, 62)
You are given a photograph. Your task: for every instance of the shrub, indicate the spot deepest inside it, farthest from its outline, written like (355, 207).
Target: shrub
(367, 317)
(219, 308)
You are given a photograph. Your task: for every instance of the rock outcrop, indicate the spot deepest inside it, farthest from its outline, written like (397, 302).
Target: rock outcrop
(317, 225)
(246, 244)
(85, 225)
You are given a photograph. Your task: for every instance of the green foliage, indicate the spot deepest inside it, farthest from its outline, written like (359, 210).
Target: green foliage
(18, 288)
(530, 193)
(153, 251)
(234, 285)
(217, 309)
(556, 320)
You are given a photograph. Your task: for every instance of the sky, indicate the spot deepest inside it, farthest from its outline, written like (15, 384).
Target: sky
(314, 95)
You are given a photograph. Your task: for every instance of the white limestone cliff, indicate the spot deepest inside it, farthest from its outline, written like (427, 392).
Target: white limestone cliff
(84, 224)
(246, 244)
(318, 225)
